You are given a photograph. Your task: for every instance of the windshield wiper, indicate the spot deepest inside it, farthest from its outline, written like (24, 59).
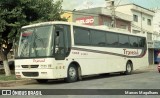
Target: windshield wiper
(22, 53)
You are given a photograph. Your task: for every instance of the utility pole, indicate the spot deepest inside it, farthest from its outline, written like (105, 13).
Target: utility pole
(110, 4)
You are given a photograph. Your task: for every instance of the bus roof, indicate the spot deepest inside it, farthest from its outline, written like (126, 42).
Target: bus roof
(103, 28)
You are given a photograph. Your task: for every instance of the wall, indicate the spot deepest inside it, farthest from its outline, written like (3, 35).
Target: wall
(106, 20)
(141, 12)
(142, 23)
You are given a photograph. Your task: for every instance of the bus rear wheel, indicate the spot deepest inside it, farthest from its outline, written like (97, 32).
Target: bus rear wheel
(129, 68)
(42, 80)
(72, 74)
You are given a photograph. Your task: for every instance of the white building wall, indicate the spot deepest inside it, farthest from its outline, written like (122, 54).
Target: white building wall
(156, 24)
(141, 25)
(124, 9)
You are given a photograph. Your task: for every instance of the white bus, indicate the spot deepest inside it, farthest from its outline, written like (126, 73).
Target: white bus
(54, 50)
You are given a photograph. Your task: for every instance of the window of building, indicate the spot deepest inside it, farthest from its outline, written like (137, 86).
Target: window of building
(149, 36)
(123, 40)
(124, 27)
(135, 18)
(98, 38)
(81, 36)
(135, 31)
(149, 22)
(112, 39)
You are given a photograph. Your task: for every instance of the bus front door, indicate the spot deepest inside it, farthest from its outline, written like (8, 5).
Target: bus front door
(59, 45)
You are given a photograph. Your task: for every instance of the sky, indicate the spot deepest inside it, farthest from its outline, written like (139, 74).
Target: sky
(84, 4)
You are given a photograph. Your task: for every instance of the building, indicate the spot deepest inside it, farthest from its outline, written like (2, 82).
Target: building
(99, 16)
(142, 23)
(156, 29)
(156, 23)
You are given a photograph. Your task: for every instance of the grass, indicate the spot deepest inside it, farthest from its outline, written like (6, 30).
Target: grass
(7, 78)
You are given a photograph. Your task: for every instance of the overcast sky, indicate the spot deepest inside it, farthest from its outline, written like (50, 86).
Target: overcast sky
(84, 4)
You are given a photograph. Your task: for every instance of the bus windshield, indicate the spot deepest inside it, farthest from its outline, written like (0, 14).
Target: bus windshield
(35, 42)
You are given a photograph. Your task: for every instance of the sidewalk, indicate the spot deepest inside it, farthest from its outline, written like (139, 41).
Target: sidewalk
(146, 69)
(12, 83)
(152, 68)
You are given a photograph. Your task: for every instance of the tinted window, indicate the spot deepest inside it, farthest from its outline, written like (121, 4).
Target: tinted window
(133, 41)
(141, 42)
(112, 39)
(81, 36)
(67, 39)
(123, 41)
(98, 38)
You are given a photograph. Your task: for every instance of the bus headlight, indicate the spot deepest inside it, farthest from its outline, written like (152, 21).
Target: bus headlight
(17, 66)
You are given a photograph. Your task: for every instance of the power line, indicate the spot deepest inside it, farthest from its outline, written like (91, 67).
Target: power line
(118, 4)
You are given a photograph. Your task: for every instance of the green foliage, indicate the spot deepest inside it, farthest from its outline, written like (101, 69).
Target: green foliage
(16, 13)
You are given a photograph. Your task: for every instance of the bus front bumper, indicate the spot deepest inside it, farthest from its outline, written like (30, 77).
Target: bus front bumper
(41, 74)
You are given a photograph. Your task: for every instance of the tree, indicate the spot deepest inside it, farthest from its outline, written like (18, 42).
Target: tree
(16, 13)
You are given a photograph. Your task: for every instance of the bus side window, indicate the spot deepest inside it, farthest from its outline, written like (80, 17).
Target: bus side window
(59, 42)
(57, 39)
(67, 39)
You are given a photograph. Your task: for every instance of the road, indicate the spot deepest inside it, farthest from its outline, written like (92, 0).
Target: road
(141, 79)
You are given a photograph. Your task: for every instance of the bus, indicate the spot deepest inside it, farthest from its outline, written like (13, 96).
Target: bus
(56, 50)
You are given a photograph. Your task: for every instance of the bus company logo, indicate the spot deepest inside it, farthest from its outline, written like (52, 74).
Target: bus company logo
(38, 60)
(129, 52)
(6, 92)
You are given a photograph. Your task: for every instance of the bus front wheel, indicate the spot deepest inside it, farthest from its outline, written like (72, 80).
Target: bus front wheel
(72, 74)
(129, 68)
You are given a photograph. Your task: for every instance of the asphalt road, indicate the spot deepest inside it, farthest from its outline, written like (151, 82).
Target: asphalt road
(141, 79)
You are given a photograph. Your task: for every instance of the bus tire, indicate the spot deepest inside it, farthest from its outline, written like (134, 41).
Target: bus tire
(42, 80)
(72, 74)
(129, 68)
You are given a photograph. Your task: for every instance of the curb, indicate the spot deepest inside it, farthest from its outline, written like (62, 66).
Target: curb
(15, 82)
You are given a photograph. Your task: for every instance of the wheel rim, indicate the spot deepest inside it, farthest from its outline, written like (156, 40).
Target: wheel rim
(72, 72)
(129, 69)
